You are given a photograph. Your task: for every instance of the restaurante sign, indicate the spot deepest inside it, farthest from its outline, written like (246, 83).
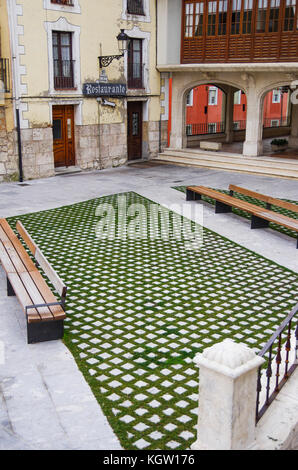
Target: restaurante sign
(104, 89)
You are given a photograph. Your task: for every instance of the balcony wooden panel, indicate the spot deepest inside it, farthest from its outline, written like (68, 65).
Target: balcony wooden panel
(267, 46)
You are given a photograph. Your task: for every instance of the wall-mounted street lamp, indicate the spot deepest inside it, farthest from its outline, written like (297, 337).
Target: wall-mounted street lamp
(123, 41)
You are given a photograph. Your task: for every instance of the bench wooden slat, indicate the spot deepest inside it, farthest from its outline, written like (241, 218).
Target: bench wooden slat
(14, 257)
(262, 197)
(56, 310)
(280, 219)
(248, 192)
(7, 234)
(247, 206)
(41, 260)
(23, 296)
(50, 273)
(6, 261)
(26, 237)
(36, 297)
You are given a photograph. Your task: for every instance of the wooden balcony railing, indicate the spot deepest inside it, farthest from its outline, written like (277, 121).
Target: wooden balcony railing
(242, 31)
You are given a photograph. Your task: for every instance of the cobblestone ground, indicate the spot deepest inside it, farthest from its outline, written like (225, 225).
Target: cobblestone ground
(140, 308)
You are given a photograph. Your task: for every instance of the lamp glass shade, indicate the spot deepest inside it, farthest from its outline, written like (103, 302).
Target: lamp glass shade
(123, 41)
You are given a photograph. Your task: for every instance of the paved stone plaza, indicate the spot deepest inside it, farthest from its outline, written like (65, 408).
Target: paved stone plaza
(41, 386)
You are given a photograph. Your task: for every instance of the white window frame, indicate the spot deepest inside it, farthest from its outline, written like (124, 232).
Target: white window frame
(75, 8)
(237, 97)
(136, 33)
(141, 18)
(212, 88)
(62, 25)
(276, 93)
(189, 98)
(274, 121)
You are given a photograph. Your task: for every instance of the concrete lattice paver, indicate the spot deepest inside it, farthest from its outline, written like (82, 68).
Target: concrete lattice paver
(139, 309)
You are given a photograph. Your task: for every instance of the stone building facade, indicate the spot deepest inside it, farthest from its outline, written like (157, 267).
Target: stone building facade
(60, 125)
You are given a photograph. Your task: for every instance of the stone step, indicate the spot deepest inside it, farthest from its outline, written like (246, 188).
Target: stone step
(266, 161)
(234, 164)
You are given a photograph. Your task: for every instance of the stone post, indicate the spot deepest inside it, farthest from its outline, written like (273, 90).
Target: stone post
(227, 397)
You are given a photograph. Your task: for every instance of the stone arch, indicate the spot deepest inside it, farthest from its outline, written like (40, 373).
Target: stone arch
(181, 95)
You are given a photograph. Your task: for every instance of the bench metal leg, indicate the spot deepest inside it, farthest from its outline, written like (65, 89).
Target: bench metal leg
(221, 208)
(10, 291)
(38, 332)
(192, 196)
(258, 222)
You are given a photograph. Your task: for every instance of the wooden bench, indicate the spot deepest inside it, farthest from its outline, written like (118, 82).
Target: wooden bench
(45, 313)
(260, 217)
(269, 200)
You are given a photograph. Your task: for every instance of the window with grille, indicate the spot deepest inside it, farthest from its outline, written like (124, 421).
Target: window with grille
(276, 96)
(274, 16)
(63, 61)
(135, 7)
(247, 16)
(212, 96)
(63, 2)
(135, 65)
(222, 17)
(290, 12)
(211, 25)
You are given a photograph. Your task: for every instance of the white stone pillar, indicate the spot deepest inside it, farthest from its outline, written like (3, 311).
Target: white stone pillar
(178, 139)
(293, 138)
(227, 397)
(253, 145)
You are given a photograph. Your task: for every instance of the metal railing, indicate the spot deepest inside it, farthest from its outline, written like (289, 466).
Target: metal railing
(135, 75)
(282, 121)
(219, 127)
(63, 2)
(4, 74)
(281, 360)
(135, 7)
(205, 128)
(63, 74)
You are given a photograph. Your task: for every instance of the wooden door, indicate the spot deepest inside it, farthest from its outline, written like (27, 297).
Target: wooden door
(134, 130)
(63, 135)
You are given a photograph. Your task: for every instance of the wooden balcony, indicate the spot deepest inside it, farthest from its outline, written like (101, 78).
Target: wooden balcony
(239, 31)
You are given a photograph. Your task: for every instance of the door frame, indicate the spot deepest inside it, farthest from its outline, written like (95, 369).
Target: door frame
(141, 104)
(76, 115)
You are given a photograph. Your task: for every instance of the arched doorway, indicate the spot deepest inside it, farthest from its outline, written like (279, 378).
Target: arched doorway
(217, 113)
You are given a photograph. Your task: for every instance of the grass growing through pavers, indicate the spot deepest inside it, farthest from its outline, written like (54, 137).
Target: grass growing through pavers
(138, 310)
(252, 200)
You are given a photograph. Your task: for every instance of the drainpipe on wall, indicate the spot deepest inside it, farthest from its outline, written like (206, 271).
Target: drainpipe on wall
(19, 145)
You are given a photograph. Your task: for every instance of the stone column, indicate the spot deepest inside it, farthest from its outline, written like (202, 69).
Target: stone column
(178, 137)
(293, 138)
(253, 145)
(229, 114)
(227, 397)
